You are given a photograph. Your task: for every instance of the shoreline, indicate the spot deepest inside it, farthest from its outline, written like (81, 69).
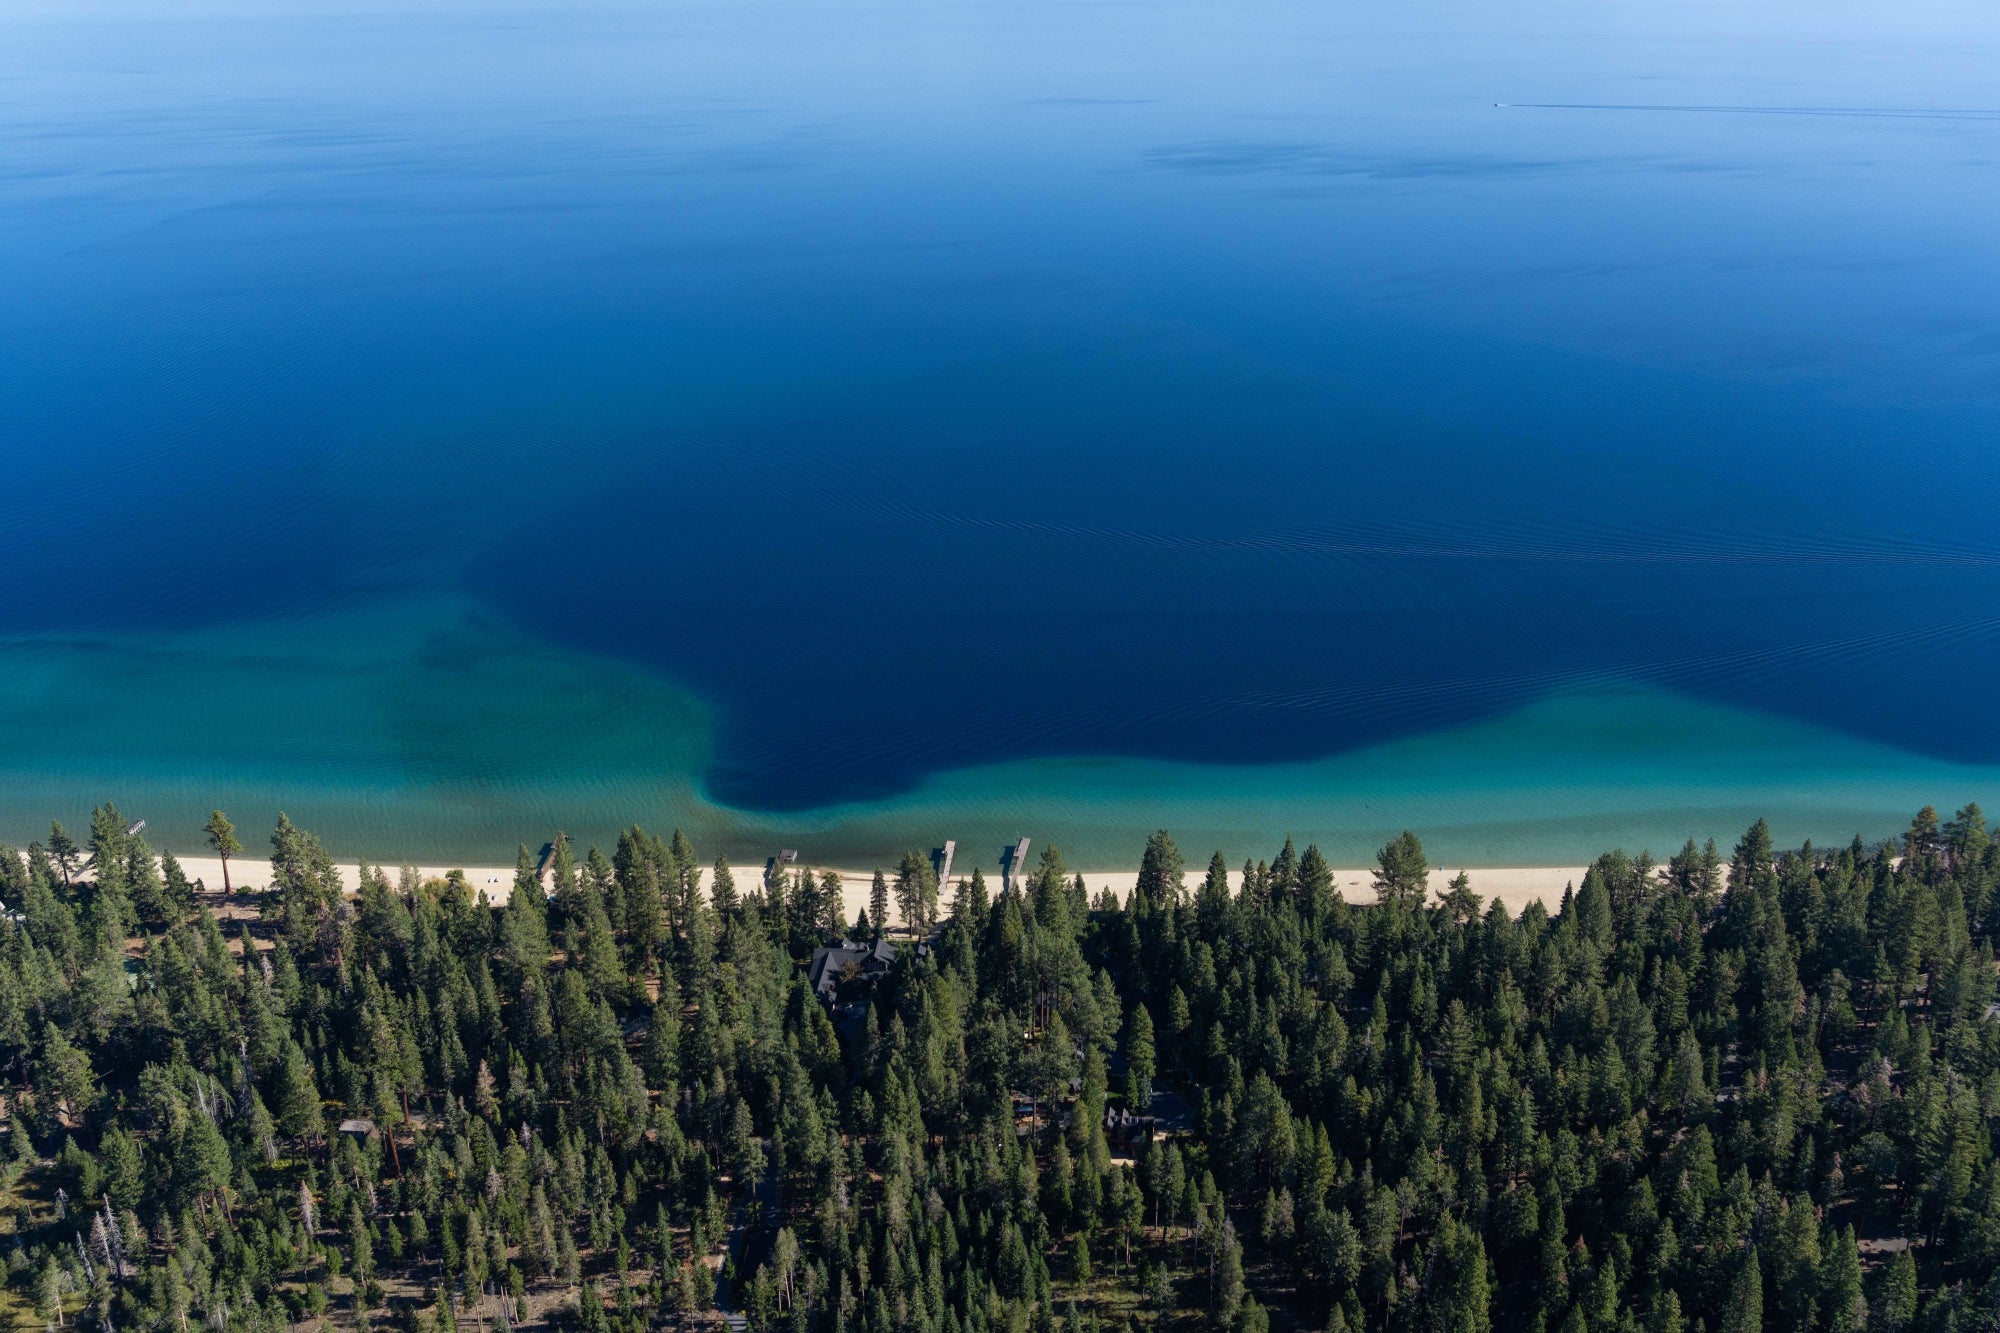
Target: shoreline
(1514, 886)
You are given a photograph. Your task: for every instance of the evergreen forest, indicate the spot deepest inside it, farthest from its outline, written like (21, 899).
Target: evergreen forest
(1737, 1091)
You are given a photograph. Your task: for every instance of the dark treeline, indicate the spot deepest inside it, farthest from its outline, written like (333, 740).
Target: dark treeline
(1724, 1095)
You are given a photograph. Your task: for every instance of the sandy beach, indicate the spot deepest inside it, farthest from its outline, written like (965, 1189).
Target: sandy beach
(1514, 886)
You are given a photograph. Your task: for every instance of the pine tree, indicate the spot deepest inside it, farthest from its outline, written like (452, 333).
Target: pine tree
(1462, 1281)
(1161, 871)
(1796, 1264)
(297, 1104)
(722, 888)
(1743, 1311)
(222, 837)
(1228, 1278)
(63, 1074)
(1894, 1307)
(1137, 1047)
(1460, 900)
(1212, 902)
(1402, 875)
(526, 928)
(663, 1039)
(1315, 887)
(49, 1288)
(916, 892)
(1844, 1308)
(63, 850)
(202, 1160)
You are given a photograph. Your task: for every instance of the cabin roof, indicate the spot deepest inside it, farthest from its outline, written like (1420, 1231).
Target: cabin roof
(828, 961)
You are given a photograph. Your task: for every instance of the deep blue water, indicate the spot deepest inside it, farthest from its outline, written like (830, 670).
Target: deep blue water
(924, 388)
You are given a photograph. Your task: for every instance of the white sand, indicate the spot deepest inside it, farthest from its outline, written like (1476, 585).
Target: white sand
(1514, 886)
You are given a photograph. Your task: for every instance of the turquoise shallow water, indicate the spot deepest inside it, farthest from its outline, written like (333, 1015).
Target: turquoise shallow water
(427, 731)
(1547, 424)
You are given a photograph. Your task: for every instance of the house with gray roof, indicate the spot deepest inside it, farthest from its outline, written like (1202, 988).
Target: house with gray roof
(856, 960)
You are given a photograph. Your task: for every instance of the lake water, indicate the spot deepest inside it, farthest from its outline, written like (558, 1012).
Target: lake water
(1544, 423)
